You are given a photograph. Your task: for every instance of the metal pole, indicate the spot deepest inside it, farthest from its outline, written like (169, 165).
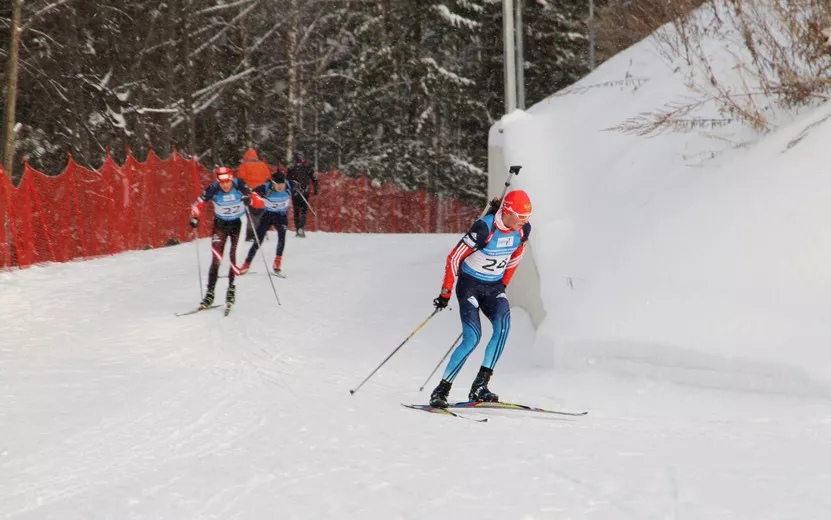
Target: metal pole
(441, 361)
(592, 42)
(520, 57)
(262, 255)
(413, 333)
(198, 261)
(307, 203)
(510, 57)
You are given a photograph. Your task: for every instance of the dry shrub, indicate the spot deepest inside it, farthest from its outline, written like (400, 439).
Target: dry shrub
(621, 23)
(786, 42)
(784, 60)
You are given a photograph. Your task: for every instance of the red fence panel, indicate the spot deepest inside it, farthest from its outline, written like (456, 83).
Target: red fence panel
(119, 207)
(84, 213)
(59, 217)
(92, 209)
(379, 208)
(7, 231)
(170, 218)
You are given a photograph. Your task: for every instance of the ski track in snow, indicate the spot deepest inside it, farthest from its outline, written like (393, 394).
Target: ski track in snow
(112, 407)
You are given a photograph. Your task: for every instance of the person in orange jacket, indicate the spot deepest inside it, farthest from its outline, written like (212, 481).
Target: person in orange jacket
(254, 172)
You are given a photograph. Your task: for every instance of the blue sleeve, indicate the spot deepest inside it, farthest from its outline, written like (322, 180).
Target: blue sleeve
(477, 235)
(210, 191)
(261, 189)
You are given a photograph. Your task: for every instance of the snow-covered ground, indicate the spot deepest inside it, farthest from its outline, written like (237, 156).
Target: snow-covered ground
(112, 407)
(687, 284)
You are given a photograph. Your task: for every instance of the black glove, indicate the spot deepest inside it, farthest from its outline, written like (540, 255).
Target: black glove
(194, 222)
(441, 301)
(246, 199)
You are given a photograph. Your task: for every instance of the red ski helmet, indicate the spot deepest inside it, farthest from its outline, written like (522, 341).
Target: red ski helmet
(518, 203)
(223, 173)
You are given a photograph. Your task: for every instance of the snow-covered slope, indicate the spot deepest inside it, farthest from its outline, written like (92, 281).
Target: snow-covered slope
(687, 287)
(698, 250)
(112, 407)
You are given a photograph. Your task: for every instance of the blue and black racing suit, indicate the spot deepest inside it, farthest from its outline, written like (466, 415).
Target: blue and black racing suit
(276, 214)
(484, 262)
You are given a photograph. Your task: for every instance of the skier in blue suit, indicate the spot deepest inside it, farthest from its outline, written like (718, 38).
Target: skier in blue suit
(230, 197)
(484, 260)
(277, 196)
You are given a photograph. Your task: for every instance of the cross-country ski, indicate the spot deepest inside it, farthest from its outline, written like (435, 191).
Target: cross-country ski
(479, 405)
(442, 411)
(198, 309)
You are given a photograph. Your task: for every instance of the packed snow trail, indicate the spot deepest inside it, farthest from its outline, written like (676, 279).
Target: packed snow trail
(113, 407)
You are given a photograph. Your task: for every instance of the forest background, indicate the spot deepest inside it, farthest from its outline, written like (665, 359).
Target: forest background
(401, 90)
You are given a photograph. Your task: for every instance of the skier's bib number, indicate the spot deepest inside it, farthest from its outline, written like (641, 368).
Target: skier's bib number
(279, 206)
(484, 267)
(494, 264)
(230, 211)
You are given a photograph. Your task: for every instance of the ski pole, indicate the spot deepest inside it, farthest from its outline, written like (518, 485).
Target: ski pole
(307, 203)
(513, 170)
(413, 333)
(440, 362)
(262, 255)
(198, 262)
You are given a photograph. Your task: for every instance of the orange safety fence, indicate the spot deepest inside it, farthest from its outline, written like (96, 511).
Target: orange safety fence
(85, 213)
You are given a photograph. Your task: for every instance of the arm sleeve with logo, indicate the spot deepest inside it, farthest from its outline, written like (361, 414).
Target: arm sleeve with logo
(513, 263)
(475, 238)
(207, 194)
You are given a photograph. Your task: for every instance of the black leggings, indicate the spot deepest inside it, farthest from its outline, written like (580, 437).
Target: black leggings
(280, 221)
(223, 230)
(301, 209)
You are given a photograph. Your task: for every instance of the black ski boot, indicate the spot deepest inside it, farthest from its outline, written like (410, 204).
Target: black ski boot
(230, 296)
(208, 300)
(479, 390)
(438, 399)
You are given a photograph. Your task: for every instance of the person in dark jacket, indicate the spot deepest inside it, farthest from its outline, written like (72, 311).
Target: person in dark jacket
(303, 181)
